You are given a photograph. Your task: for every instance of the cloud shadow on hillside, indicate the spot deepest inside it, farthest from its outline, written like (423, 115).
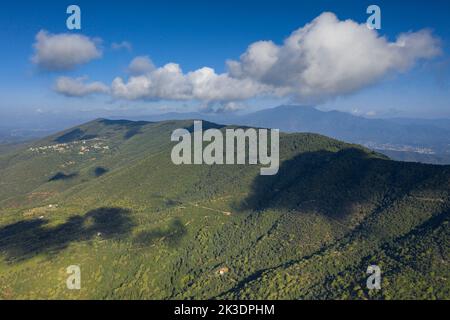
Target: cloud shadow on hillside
(133, 127)
(74, 135)
(333, 183)
(62, 176)
(99, 171)
(205, 126)
(24, 239)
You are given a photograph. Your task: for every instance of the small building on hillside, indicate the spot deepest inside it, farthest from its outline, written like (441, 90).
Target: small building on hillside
(223, 271)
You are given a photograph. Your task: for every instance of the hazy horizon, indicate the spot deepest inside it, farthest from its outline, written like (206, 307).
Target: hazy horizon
(156, 64)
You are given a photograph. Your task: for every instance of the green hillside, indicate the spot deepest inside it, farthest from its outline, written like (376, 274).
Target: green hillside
(106, 196)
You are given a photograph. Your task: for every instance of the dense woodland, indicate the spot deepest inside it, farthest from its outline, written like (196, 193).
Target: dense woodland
(106, 196)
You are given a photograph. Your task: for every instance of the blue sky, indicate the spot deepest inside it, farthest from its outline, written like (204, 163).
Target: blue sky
(195, 34)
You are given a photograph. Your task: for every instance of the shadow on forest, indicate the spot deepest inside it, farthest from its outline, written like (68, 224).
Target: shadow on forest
(62, 176)
(74, 135)
(24, 239)
(99, 171)
(133, 127)
(124, 123)
(205, 126)
(132, 132)
(333, 183)
(171, 236)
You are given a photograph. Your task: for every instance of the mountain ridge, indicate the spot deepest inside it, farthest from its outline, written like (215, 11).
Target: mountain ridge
(143, 228)
(403, 139)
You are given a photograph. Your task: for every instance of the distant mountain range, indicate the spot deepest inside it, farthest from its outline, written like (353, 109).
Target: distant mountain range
(418, 140)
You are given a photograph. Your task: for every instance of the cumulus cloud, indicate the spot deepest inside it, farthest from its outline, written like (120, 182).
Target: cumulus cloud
(322, 60)
(64, 51)
(327, 58)
(170, 83)
(122, 45)
(223, 107)
(78, 87)
(141, 65)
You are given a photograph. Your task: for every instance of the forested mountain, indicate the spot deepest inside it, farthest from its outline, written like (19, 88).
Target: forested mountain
(106, 196)
(404, 139)
(416, 140)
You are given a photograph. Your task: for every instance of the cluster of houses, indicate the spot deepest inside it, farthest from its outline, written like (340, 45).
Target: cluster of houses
(84, 147)
(96, 146)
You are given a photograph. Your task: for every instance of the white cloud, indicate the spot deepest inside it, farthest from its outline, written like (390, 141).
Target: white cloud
(223, 107)
(256, 61)
(77, 87)
(327, 58)
(167, 82)
(141, 65)
(170, 83)
(64, 51)
(209, 86)
(122, 45)
(324, 59)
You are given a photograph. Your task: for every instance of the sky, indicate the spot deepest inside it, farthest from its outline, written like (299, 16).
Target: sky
(144, 57)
